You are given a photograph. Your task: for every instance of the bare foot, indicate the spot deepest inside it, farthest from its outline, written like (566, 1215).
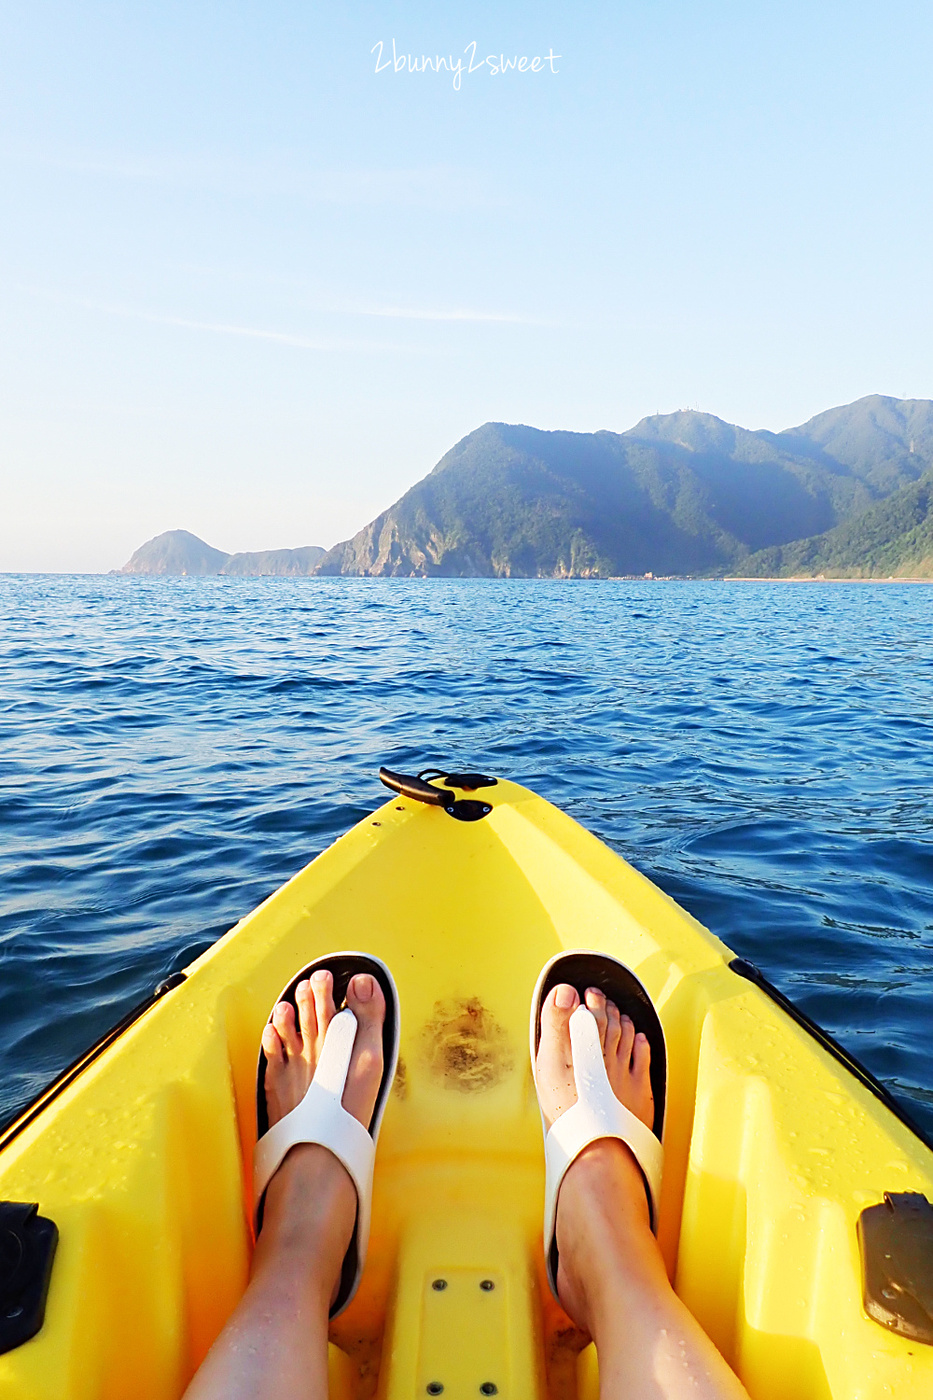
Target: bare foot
(311, 1201)
(627, 1056)
(293, 1049)
(605, 1177)
(275, 1342)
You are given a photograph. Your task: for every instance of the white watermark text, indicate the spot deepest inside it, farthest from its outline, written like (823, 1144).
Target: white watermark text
(493, 65)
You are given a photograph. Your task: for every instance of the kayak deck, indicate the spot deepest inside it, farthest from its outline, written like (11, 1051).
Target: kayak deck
(772, 1147)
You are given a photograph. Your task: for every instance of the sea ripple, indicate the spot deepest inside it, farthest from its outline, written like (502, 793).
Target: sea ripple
(173, 749)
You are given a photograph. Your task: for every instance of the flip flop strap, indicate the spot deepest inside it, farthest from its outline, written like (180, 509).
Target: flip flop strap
(596, 1114)
(321, 1118)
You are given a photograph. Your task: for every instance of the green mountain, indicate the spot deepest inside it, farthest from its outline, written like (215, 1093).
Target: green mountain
(275, 561)
(681, 493)
(882, 440)
(892, 539)
(179, 552)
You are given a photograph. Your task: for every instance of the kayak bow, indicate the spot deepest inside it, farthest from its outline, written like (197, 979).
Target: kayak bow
(776, 1140)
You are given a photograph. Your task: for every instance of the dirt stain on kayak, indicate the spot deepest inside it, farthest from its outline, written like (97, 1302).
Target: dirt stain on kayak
(465, 1045)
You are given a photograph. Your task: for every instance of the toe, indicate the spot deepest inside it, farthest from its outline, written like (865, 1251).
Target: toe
(554, 1061)
(626, 1041)
(596, 1003)
(560, 1004)
(307, 1016)
(641, 1057)
(626, 1038)
(613, 1029)
(641, 1080)
(272, 1046)
(283, 1019)
(366, 1000)
(322, 990)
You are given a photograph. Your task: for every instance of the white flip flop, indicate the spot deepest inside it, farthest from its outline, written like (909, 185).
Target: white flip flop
(321, 1117)
(597, 1112)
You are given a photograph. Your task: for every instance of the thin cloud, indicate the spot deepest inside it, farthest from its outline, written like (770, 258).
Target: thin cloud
(311, 299)
(300, 342)
(137, 313)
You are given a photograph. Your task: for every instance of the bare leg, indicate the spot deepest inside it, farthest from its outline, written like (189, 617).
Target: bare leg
(275, 1343)
(611, 1277)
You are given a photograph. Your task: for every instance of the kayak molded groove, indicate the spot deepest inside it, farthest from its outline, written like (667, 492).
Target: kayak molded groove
(25, 1116)
(775, 1145)
(753, 973)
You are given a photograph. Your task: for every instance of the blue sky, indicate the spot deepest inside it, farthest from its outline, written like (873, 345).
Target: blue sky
(253, 288)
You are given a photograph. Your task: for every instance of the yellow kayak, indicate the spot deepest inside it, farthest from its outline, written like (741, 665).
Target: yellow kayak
(775, 1145)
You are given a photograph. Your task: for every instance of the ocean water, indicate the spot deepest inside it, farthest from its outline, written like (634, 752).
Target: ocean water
(172, 750)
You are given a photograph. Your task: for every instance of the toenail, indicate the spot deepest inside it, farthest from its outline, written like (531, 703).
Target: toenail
(363, 987)
(319, 976)
(564, 998)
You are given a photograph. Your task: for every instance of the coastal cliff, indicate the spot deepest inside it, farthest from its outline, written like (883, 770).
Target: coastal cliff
(846, 494)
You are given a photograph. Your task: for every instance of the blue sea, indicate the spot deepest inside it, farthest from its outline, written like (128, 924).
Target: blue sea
(173, 749)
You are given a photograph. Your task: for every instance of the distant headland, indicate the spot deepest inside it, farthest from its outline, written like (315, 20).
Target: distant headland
(180, 552)
(848, 494)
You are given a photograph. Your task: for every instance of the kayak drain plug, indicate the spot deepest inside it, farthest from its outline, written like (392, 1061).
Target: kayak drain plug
(434, 1388)
(439, 1285)
(489, 1388)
